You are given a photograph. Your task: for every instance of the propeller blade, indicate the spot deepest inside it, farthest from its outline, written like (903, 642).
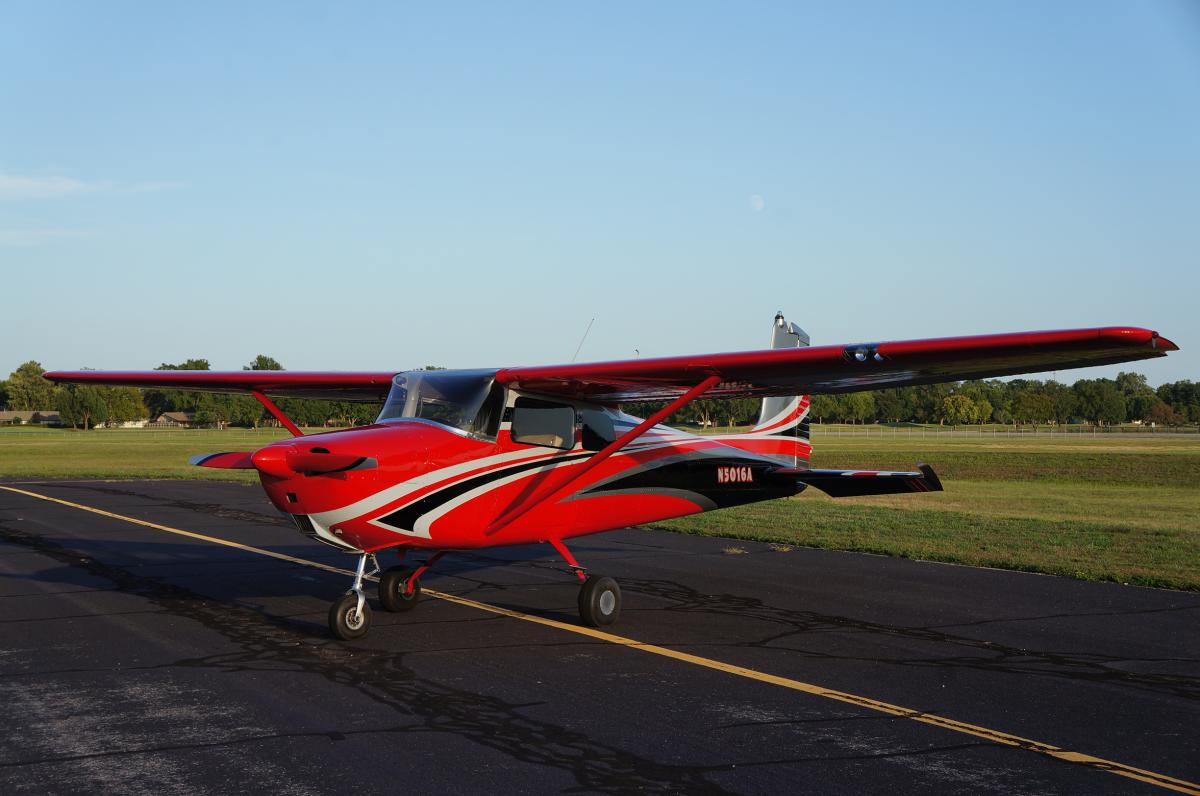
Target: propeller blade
(239, 460)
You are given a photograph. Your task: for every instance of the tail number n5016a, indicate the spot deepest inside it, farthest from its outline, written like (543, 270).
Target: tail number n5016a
(734, 475)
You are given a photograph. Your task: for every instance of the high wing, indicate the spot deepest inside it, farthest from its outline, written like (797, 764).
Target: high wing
(368, 387)
(841, 368)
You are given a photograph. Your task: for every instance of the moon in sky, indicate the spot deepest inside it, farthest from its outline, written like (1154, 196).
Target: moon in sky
(757, 203)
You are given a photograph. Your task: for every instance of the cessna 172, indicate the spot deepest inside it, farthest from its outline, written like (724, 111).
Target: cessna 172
(467, 459)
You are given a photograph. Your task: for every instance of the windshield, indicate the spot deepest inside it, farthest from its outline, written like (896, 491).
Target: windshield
(455, 398)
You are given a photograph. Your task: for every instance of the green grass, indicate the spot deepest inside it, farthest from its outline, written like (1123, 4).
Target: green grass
(1122, 508)
(125, 453)
(1119, 507)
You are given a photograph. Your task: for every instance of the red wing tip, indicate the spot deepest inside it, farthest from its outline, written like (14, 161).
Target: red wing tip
(1163, 344)
(1137, 336)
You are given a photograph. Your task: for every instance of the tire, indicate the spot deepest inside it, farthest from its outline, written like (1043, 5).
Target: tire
(344, 621)
(599, 601)
(392, 584)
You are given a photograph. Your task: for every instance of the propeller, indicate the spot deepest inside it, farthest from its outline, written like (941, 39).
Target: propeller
(287, 461)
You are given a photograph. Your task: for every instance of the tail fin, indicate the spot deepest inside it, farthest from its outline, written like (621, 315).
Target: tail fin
(786, 418)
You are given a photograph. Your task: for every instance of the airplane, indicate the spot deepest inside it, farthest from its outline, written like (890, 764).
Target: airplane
(467, 459)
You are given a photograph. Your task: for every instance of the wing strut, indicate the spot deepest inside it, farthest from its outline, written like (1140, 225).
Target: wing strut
(575, 473)
(279, 415)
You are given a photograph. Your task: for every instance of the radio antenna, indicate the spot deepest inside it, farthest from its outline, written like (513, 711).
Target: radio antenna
(581, 339)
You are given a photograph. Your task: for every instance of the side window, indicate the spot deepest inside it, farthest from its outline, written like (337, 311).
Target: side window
(598, 429)
(550, 425)
(487, 421)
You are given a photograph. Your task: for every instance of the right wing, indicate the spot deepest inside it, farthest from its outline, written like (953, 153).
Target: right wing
(367, 387)
(840, 368)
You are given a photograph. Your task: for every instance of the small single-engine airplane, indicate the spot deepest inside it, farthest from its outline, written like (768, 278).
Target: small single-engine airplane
(467, 459)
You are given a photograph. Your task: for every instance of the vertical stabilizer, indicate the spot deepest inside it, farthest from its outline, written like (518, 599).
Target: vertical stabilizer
(786, 418)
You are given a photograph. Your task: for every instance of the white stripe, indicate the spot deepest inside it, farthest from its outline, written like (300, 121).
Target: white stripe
(397, 491)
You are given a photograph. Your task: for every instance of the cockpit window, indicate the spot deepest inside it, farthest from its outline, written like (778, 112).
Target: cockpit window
(455, 398)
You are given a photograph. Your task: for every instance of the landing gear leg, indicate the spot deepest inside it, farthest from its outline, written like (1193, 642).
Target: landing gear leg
(599, 596)
(350, 616)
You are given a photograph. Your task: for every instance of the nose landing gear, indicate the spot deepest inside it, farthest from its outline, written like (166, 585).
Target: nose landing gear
(350, 616)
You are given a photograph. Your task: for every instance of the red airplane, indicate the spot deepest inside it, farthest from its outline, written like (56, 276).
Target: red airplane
(467, 459)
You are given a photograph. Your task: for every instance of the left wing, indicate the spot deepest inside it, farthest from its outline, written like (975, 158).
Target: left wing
(841, 368)
(370, 387)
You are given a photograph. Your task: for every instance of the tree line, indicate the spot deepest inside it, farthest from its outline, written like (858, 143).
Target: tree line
(1020, 401)
(1125, 399)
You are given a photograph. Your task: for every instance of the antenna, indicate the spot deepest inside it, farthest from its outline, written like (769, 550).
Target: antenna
(581, 339)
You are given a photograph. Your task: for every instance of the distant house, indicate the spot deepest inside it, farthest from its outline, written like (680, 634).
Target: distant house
(21, 417)
(175, 420)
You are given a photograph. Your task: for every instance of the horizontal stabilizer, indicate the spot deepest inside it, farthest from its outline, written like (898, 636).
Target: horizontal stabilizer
(223, 461)
(852, 483)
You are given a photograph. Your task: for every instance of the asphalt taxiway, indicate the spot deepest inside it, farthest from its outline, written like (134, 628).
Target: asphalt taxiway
(169, 636)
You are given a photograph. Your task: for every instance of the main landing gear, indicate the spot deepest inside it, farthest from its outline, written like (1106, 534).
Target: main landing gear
(599, 596)
(399, 590)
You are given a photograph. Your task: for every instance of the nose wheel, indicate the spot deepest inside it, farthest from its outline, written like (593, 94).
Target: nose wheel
(348, 619)
(350, 616)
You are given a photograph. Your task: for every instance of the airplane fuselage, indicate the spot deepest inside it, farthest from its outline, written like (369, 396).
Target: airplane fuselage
(432, 486)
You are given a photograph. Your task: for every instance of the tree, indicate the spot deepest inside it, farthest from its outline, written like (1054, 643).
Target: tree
(28, 390)
(4, 394)
(1063, 401)
(1183, 397)
(1161, 414)
(958, 410)
(263, 362)
(927, 400)
(123, 403)
(991, 397)
(159, 401)
(1100, 400)
(1032, 406)
(823, 406)
(894, 405)
(859, 406)
(80, 405)
(1139, 396)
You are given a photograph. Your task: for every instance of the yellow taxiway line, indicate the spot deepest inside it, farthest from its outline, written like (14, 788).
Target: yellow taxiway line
(995, 736)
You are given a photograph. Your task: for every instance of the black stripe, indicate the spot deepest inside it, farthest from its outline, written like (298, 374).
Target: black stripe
(406, 517)
(700, 476)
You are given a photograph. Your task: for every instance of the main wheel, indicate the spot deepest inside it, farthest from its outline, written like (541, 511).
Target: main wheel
(599, 601)
(346, 621)
(393, 584)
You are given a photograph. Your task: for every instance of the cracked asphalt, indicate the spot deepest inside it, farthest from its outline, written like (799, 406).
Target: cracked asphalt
(137, 661)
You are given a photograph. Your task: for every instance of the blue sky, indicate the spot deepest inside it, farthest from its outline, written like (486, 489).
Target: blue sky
(385, 186)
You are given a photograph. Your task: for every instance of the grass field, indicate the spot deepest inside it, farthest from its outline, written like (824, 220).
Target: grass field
(1119, 507)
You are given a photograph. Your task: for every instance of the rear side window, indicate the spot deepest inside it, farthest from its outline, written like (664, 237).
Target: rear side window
(537, 422)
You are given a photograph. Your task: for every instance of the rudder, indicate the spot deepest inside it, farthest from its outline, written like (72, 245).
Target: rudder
(785, 418)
